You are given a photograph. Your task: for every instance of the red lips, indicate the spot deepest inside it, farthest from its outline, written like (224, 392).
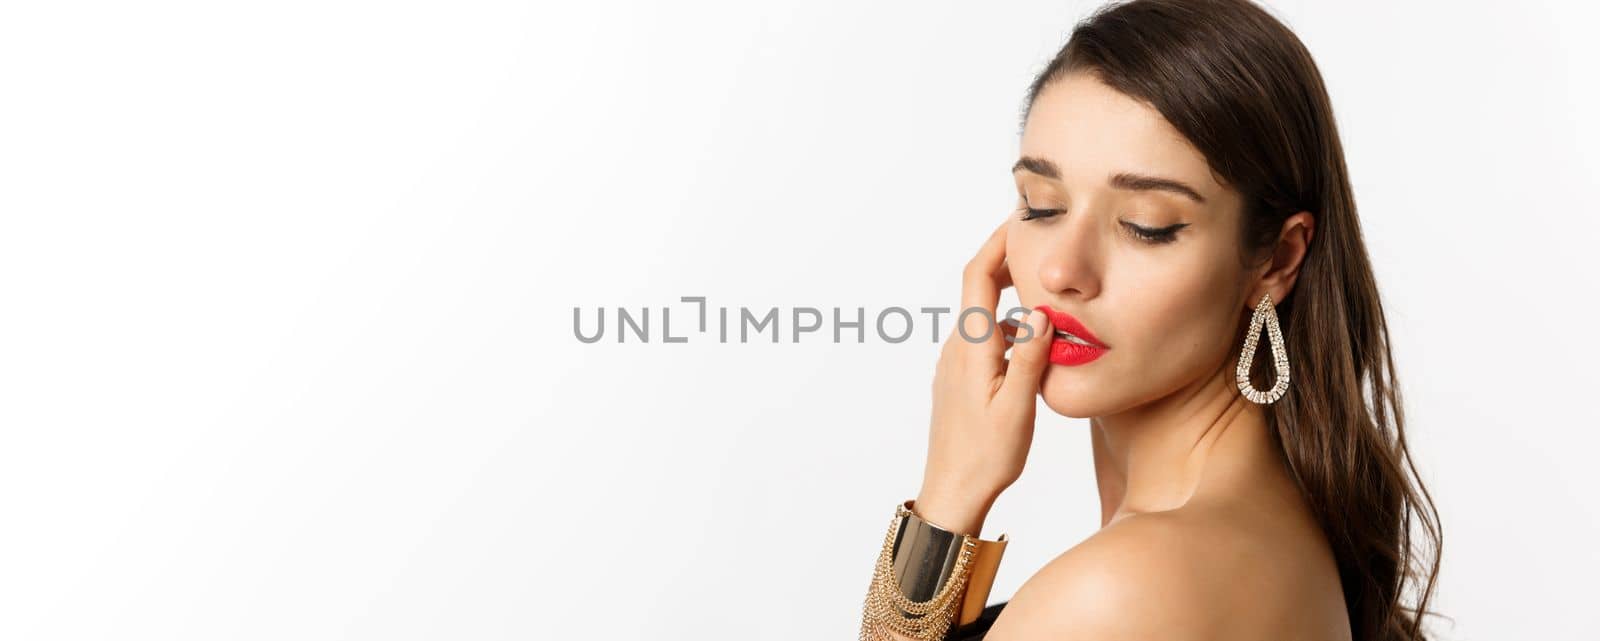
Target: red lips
(1065, 352)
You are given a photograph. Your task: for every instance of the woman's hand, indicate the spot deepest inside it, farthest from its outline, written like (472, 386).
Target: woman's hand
(983, 405)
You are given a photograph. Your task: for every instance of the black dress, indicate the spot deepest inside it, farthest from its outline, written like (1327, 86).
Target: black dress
(976, 630)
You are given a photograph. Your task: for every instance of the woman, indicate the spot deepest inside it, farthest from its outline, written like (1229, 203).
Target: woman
(1181, 192)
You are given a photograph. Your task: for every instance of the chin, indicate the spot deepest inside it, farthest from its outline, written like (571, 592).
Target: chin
(1071, 398)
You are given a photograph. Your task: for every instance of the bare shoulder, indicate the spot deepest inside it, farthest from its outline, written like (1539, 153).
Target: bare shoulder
(1138, 578)
(1183, 574)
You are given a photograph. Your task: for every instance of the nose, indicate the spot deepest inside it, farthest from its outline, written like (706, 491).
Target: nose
(1071, 266)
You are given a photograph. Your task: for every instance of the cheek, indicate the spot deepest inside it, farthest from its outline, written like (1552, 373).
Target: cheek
(1181, 320)
(1173, 317)
(1022, 261)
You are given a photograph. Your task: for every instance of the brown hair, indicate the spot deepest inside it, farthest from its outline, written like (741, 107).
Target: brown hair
(1244, 90)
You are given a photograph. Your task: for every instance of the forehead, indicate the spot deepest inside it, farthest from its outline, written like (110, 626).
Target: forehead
(1092, 131)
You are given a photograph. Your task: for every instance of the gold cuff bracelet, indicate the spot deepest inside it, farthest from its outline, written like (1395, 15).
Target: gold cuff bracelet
(928, 578)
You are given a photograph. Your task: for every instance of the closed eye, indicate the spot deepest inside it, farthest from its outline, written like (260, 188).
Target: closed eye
(1151, 235)
(1155, 235)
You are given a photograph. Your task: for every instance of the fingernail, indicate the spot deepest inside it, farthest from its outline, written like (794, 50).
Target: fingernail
(1036, 318)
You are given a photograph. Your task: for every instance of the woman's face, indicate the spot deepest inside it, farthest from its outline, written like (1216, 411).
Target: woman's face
(1151, 271)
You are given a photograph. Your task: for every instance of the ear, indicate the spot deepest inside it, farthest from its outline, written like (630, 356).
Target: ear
(1277, 277)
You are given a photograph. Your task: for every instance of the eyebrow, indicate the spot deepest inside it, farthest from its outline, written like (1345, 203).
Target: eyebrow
(1121, 180)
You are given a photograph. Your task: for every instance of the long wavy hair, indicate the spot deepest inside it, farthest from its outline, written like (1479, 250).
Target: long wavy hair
(1244, 90)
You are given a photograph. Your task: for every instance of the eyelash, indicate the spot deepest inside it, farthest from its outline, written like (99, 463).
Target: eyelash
(1029, 213)
(1160, 236)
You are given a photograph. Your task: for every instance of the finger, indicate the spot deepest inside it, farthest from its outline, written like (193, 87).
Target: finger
(985, 275)
(1009, 328)
(1028, 360)
(1012, 321)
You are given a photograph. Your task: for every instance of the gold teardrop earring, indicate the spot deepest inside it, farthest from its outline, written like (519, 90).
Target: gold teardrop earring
(1265, 314)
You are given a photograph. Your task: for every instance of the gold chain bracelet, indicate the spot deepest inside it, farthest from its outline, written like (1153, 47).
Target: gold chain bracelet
(889, 610)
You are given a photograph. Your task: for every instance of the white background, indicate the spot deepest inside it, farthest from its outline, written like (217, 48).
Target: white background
(286, 296)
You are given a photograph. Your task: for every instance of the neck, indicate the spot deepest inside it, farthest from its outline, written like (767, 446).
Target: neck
(1159, 455)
